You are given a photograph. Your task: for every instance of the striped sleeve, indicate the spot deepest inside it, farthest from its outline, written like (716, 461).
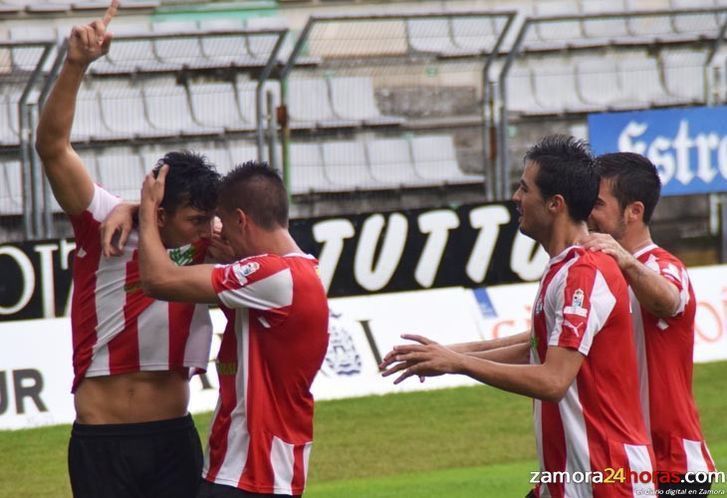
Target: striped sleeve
(262, 283)
(675, 272)
(582, 304)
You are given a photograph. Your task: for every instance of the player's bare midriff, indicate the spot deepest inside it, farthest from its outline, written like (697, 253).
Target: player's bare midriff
(132, 398)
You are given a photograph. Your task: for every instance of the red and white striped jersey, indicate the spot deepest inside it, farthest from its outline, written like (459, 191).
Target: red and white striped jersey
(665, 351)
(274, 344)
(116, 328)
(583, 304)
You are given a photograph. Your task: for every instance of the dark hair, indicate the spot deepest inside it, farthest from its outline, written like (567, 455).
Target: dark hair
(192, 181)
(633, 178)
(258, 190)
(566, 168)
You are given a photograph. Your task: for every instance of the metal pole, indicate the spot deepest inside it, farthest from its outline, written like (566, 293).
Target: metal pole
(259, 105)
(285, 131)
(488, 99)
(502, 152)
(284, 124)
(272, 138)
(31, 176)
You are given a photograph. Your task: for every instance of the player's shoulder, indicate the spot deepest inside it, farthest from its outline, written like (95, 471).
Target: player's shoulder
(595, 261)
(654, 252)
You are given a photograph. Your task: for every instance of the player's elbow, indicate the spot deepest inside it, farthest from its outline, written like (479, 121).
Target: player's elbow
(665, 308)
(152, 285)
(553, 390)
(49, 150)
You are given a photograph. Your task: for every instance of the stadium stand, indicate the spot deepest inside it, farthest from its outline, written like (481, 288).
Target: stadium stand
(375, 105)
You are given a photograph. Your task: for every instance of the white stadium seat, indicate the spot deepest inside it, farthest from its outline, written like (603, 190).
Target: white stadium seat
(120, 171)
(392, 164)
(354, 98)
(684, 74)
(168, 109)
(309, 105)
(186, 50)
(346, 165)
(215, 105)
(307, 173)
(435, 159)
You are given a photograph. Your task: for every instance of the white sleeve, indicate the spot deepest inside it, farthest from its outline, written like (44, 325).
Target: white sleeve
(102, 203)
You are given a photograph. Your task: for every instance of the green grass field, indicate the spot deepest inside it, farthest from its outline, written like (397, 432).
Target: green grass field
(465, 442)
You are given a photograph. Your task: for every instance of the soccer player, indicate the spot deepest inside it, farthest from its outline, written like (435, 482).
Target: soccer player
(580, 365)
(663, 309)
(275, 340)
(132, 355)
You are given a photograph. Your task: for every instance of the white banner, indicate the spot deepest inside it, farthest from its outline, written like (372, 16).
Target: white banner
(35, 357)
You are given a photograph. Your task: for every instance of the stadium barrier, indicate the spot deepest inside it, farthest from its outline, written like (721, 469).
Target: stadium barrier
(36, 371)
(471, 245)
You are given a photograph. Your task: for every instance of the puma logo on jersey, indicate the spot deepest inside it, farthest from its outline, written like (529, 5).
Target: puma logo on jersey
(572, 327)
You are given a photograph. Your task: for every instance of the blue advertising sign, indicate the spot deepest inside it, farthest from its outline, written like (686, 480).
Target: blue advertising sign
(688, 146)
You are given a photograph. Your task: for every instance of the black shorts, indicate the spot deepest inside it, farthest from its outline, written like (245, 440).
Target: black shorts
(147, 460)
(213, 490)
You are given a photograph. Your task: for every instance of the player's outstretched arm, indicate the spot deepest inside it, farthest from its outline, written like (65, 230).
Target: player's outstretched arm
(69, 179)
(160, 277)
(481, 346)
(516, 354)
(548, 381)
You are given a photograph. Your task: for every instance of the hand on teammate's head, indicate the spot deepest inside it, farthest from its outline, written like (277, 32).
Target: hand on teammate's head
(91, 41)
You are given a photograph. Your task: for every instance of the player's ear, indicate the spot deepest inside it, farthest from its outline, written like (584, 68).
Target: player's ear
(161, 217)
(555, 203)
(241, 217)
(635, 211)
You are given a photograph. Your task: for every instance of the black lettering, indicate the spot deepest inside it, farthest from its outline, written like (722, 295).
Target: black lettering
(32, 391)
(3, 392)
(371, 341)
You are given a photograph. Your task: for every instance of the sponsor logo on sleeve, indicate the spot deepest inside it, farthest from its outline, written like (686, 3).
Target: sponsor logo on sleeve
(576, 306)
(242, 271)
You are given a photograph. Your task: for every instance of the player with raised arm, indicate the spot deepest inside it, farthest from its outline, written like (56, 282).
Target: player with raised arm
(580, 364)
(132, 355)
(663, 312)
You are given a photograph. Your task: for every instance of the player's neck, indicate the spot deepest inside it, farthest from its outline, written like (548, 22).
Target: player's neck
(278, 241)
(565, 235)
(636, 239)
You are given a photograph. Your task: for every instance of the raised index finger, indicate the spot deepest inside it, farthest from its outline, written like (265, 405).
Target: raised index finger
(110, 12)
